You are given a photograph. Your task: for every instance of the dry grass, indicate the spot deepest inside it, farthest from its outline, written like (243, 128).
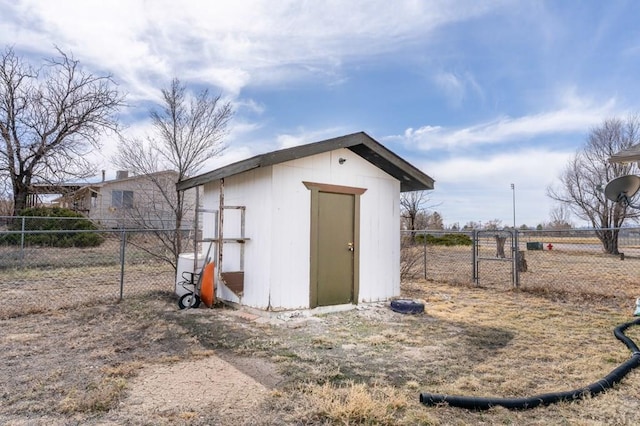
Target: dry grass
(94, 397)
(564, 271)
(352, 403)
(36, 291)
(472, 341)
(365, 366)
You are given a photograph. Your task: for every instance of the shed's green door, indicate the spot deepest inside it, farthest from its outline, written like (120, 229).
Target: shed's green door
(335, 239)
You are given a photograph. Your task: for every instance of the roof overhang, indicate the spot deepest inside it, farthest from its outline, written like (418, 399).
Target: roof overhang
(81, 192)
(411, 179)
(628, 155)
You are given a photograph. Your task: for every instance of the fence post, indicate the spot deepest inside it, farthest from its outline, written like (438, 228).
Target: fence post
(474, 260)
(22, 243)
(516, 259)
(123, 239)
(424, 254)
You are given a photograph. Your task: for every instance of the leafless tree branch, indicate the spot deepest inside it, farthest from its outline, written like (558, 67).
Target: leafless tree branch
(581, 182)
(186, 131)
(50, 118)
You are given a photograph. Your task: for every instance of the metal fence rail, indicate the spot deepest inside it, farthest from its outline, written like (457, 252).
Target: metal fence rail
(557, 262)
(44, 277)
(573, 261)
(421, 258)
(41, 276)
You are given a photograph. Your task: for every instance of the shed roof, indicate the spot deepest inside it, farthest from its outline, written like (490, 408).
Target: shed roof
(628, 155)
(411, 179)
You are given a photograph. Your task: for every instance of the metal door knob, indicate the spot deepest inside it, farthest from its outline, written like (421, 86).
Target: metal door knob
(350, 246)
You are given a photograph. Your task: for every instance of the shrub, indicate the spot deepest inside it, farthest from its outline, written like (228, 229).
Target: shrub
(444, 240)
(54, 219)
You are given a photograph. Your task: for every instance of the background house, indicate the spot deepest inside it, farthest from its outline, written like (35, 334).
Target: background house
(308, 226)
(129, 200)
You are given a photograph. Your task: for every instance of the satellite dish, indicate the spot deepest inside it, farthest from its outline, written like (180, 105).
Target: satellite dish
(622, 188)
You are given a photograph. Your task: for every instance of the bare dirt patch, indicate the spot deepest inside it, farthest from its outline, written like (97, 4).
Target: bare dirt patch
(185, 388)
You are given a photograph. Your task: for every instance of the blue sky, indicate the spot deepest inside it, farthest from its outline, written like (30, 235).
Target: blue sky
(477, 94)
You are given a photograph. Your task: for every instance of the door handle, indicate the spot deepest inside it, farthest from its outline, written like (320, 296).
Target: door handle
(350, 246)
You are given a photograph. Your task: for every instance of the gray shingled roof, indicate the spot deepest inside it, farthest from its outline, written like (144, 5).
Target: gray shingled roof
(411, 179)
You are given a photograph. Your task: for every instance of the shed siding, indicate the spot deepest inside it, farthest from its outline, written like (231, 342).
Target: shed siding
(380, 240)
(251, 189)
(291, 230)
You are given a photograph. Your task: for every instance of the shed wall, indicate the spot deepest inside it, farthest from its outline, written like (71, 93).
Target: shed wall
(251, 189)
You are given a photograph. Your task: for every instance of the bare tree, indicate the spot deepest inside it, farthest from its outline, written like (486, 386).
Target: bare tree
(186, 131)
(472, 225)
(493, 225)
(413, 206)
(6, 198)
(560, 218)
(50, 118)
(434, 221)
(582, 180)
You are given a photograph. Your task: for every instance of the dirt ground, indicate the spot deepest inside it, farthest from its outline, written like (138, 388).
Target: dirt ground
(123, 363)
(143, 361)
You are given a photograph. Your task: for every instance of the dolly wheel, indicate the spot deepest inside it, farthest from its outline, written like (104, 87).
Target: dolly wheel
(189, 300)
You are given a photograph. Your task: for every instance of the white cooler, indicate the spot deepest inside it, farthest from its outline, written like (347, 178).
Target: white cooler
(185, 264)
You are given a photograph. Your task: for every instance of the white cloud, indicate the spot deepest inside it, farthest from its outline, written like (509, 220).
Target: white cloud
(229, 44)
(478, 189)
(233, 154)
(456, 86)
(303, 136)
(576, 116)
(536, 167)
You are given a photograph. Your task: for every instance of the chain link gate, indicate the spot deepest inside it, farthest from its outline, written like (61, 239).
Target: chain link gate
(496, 256)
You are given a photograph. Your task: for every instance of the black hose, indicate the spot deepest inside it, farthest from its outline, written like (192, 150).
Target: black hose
(615, 376)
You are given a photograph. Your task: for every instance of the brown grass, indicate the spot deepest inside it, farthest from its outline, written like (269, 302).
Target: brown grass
(567, 271)
(352, 403)
(364, 366)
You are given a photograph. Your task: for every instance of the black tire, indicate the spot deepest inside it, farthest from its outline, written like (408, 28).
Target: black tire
(406, 306)
(189, 300)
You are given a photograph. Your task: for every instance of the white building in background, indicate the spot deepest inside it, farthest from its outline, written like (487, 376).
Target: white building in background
(128, 200)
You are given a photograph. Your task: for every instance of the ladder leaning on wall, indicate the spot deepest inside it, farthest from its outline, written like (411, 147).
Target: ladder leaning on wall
(233, 280)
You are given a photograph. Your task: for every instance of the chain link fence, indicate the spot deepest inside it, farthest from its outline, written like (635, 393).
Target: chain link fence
(556, 263)
(53, 269)
(433, 256)
(574, 262)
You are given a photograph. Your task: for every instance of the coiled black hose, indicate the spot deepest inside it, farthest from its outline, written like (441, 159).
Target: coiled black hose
(615, 376)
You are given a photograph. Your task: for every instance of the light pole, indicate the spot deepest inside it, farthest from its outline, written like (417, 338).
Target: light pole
(513, 190)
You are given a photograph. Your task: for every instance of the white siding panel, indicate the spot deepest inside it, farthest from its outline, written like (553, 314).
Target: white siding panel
(251, 189)
(380, 240)
(290, 246)
(210, 200)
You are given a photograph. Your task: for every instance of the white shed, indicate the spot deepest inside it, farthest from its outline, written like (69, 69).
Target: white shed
(314, 225)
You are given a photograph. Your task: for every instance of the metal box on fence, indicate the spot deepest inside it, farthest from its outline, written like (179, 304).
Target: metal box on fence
(534, 246)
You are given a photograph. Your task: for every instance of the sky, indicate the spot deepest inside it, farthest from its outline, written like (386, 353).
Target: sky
(479, 95)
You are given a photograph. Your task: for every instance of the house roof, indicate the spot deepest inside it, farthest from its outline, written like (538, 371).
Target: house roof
(95, 187)
(411, 179)
(628, 155)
